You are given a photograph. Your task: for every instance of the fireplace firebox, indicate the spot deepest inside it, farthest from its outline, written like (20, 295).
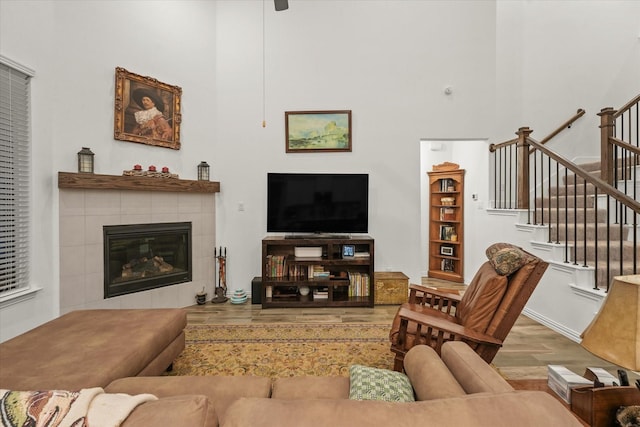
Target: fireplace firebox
(140, 257)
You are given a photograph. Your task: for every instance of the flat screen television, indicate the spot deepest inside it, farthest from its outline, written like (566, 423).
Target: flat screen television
(321, 203)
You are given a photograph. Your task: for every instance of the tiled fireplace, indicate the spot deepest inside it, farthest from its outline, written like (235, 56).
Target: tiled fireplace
(141, 257)
(89, 204)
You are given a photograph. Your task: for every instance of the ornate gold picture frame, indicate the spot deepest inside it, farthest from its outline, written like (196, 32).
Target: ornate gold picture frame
(146, 110)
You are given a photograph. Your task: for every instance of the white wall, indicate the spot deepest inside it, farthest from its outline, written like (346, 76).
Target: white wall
(556, 57)
(74, 47)
(387, 61)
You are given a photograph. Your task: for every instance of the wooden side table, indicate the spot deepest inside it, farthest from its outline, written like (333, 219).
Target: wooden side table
(598, 405)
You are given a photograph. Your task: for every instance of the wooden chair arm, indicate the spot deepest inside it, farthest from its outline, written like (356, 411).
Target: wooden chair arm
(435, 298)
(440, 326)
(435, 291)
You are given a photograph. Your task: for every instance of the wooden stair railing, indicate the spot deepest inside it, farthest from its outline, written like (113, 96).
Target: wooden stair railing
(596, 222)
(619, 131)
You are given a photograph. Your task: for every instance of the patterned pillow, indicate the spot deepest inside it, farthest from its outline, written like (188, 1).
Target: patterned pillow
(491, 250)
(507, 261)
(379, 384)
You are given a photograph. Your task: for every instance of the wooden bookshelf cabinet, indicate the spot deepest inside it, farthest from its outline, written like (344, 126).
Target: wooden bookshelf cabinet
(328, 280)
(446, 222)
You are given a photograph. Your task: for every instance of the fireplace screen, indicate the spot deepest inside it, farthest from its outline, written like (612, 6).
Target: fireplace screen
(145, 256)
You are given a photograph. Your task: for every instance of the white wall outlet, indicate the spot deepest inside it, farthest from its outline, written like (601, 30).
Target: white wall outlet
(240, 206)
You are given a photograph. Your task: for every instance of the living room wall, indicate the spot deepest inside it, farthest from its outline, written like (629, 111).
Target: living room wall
(509, 63)
(385, 61)
(74, 48)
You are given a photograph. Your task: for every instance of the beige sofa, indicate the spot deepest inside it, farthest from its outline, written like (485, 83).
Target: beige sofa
(459, 389)
(128, 350)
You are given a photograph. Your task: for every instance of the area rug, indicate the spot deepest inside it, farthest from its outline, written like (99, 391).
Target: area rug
(283, 350)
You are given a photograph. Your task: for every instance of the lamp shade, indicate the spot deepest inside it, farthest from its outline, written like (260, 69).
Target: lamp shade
(614, 334)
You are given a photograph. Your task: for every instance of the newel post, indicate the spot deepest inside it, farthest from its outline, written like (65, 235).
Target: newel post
(607, 129)
(523, 168)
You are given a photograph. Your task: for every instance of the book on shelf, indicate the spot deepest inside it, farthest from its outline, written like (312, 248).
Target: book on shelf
(561, 380)
(447, 185)
(317, 272)
(447, 264)
(297, 271)
(359, 284)
(447, 214)
(321, 293)
(447, 232)
(276, 266)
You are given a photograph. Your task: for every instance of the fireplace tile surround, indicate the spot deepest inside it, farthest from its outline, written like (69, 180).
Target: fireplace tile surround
(84, 211)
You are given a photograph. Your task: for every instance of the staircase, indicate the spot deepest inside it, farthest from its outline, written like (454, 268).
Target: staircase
(588, 214)
(577, 219)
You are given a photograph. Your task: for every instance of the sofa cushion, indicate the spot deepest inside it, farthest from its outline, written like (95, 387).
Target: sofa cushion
(522, 409)
(366, 383)
(222, 391)
(472, 373)
(308, 387)
(481, 299)
(177, 411)
(429, 376)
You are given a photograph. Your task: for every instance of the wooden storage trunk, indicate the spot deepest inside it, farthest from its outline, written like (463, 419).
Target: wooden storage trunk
(392, 287)
(598, 406)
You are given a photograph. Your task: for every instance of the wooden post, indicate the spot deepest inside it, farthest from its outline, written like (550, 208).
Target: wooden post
(606, 150)
(523, 168)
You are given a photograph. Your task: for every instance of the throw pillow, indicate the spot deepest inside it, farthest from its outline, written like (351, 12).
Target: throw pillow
(368, 383)
(507, 261)
(491, 250)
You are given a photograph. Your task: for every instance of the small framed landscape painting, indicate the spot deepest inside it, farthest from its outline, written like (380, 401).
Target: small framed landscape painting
(316, 131)
(146, 110)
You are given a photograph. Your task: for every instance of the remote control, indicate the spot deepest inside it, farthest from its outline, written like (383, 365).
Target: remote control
(624, 379)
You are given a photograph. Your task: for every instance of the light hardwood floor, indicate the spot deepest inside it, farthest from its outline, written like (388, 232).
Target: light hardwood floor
(527, 351)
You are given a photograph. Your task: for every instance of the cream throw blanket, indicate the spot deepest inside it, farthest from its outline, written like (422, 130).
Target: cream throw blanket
(60, 408)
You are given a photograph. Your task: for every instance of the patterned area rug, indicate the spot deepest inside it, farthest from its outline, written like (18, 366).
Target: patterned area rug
(283, 350)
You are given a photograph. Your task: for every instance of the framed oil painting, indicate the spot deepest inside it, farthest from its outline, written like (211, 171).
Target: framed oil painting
(314, 131)
(146, 111)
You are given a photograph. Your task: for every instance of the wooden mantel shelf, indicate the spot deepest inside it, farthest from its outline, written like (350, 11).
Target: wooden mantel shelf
(90, 181)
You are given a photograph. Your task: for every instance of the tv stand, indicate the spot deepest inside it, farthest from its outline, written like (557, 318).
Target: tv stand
(317, 236)
(328, 280)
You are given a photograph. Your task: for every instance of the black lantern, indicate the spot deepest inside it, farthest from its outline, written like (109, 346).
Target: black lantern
(203, 171)
(85, 160)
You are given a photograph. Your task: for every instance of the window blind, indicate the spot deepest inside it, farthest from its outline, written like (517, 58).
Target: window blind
(15, 153)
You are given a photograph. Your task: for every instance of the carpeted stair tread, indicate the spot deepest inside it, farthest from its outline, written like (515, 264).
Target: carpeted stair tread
(563, 210)
(561, 214)
(615, 232)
